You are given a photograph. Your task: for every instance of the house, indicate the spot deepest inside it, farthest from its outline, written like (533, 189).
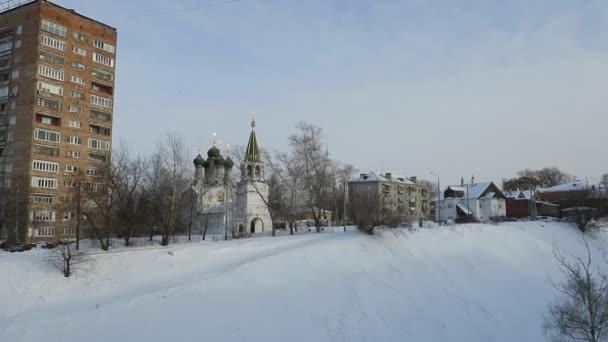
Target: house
(471, 202)
(402, 196)
(576, 194)
(527, 203)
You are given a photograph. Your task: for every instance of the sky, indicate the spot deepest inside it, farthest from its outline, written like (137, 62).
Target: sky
(459, 88)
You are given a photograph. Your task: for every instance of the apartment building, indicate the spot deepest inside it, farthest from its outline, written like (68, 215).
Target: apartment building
(405, 197)
(57, 70)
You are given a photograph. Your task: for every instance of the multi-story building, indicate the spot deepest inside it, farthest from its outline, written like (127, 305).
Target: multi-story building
(56, 109)
(402, 196)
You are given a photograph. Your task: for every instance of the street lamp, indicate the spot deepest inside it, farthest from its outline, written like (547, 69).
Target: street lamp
(438, 204)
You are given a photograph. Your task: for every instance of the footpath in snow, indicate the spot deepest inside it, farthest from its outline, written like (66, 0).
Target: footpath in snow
(465, 283)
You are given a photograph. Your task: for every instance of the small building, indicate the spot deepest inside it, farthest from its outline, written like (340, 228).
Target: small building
(471, 202)
(527, 203)
(577, 194)
(402, 196)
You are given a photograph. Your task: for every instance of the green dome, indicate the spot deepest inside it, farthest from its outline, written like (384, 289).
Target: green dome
(199, 161)
(206, 164)
(213, 152)
(229, 164)
(219, 161)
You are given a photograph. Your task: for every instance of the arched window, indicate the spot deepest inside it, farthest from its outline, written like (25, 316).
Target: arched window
(257, 171)
(250, 171)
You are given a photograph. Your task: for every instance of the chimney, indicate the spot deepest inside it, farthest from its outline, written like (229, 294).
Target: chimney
(389, 175)
(414, 179)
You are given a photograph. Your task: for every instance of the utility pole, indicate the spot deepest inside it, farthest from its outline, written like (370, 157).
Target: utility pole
(438, 203)
(345, 198)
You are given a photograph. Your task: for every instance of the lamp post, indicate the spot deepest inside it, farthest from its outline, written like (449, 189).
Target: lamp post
(438, 204)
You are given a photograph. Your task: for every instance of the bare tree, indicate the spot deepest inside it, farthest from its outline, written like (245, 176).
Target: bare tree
(369, 213)
(99, 211)
(317, 177)
(75, 202)
(581, 314)
(13, 206)
(68, 260)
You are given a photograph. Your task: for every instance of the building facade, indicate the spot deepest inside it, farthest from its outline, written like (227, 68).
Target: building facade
(471, 202)
(57, 71)
(402, 196)
(224, 206)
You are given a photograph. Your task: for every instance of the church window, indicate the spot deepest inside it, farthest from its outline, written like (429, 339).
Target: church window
(257, 171)
(250, 171)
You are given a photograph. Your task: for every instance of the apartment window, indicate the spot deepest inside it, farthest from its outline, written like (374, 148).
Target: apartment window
(17, 59)
(52, 58)
(43, 199)
(4, 91)
(93, 172)
(41, 182)
(74, 124)
(98, 158)
(99, 144)
(70, 183)
(13, 104)
(17, 43)
(69, 215)
(11, 136)
(78, 79)
(79, 51)
(49, 72)
(72, 154)
(77, 95)
(101, 59)
(95, 114)
(46, 135)
(46, 150)
(104, 46)
(15, 91)
(53, 43)
(80, 36)
(48, 103)
(79, 66)
(45, 232)
(47, 120)
(12, 120)
(42, 215)
(69, 231)
(46, 166)
(15, 74)
(74, 140)
(19, 30)
(71, 168)
(101, 101)
(50, 88)
(76, 109)
(100, 130)
(54, 28)
(103, 74)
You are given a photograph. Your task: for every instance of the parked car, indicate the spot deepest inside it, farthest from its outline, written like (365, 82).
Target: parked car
(17, 248)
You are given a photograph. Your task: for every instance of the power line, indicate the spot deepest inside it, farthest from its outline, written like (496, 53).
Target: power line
(173, 11)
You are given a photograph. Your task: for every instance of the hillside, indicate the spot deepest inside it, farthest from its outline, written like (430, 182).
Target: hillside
(468, 283)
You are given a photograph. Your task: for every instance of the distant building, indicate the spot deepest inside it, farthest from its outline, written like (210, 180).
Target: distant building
(527, 203)
(400, 195)
(471, 202)
(576, 194)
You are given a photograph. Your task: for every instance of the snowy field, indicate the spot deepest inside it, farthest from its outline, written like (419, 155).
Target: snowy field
(466, 283)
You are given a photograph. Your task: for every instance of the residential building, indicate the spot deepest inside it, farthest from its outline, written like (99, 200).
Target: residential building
(576, 194)
(402, 196)
(527, 203)
(57, 70)
(471, 202)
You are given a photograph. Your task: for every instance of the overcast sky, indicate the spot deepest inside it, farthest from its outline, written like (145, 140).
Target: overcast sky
(456, 87)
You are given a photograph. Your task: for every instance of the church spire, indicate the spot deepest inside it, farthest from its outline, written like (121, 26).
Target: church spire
(252, 153)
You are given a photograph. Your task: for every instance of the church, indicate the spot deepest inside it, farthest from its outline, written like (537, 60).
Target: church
(224, 206)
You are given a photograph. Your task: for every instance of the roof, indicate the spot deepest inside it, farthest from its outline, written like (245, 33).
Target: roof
(374, 177)
(577, 185)
(474, 191)
(252, 153)
(519, 194)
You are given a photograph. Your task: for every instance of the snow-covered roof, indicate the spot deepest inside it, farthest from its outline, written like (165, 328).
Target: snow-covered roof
(523, 194)
(570, 186)
(473, 191)
(374, 177)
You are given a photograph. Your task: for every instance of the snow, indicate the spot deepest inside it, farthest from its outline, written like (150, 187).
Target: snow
(465, 283)
(570, 186)
(373, 177)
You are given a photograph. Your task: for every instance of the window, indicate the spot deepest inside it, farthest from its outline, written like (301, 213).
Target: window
(104, 46)
(49, 72)
(17, 59)
(80, 36)
(78, 65)
(101, 115)
(69, 231)
(103, 74)
(52, 58)
(41, 182)
(76, 109)
(78, 79)
(101, 59)
(17, 43)
(43, 199)
(12, 120)
(42, 215)
(50, 88)
(53, 28)
(70, 183)
(74, 140)
(77, 95)
(99, 144)
(450, 205)
(97, 158)
(4, 91)
(45, 232)
(100, 130)
(53, 43)
(74, 124)
(15, 91)
(71, 168)
(101, 101)
(47, 120)
(79, 51)
(48, 103)
(15, 74)
(46, 166)
(73, 154)
(19, 30)
(46, 150)
(93, 172)
(46, 135)
(102, 88)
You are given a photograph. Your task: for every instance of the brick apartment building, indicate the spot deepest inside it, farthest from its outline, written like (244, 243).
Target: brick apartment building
(56, 111)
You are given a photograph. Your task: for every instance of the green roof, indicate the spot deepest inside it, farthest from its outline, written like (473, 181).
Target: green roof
(252, 153)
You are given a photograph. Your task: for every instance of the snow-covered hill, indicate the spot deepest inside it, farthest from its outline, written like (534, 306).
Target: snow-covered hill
(469, 283)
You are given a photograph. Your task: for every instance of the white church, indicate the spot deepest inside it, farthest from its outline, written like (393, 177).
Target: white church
(224, 206)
